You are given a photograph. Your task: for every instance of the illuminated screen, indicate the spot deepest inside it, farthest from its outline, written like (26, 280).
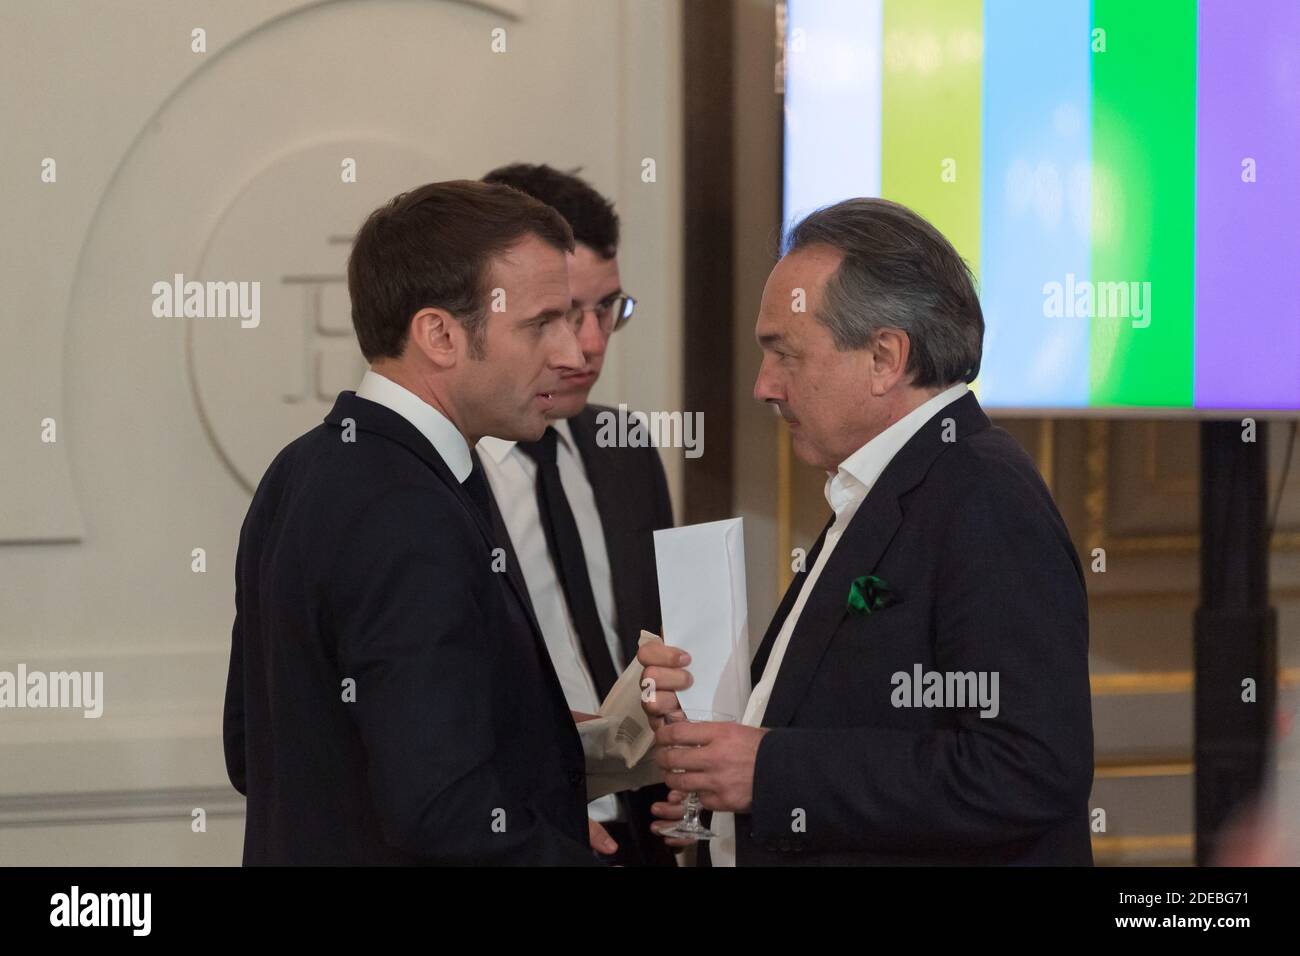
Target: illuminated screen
(1121, 175)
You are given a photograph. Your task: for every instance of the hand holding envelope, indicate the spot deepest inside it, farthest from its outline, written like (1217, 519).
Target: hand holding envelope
(702, 594)
(714, 759)
(663, 674)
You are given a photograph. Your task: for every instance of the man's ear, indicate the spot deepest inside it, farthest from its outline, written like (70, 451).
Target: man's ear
(889, 355)
(437, 335)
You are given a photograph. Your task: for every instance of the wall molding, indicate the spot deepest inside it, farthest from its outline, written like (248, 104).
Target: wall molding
(118, 806)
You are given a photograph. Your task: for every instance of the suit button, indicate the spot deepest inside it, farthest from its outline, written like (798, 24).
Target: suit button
(576, 777)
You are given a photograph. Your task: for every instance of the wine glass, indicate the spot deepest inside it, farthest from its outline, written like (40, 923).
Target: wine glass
(689, 826)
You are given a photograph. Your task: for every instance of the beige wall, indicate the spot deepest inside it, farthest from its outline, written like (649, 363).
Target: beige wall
(226, 165)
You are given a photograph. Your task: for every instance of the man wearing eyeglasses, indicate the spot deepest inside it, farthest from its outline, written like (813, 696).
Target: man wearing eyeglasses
(575, 519)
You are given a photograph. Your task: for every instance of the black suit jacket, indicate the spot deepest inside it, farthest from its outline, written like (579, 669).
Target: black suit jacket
(981, 576)
(632, 499)
(365, 564)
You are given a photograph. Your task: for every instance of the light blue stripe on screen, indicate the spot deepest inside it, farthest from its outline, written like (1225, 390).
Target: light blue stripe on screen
(1037, 199)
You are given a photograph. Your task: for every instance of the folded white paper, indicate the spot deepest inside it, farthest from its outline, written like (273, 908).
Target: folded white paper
(618, 744)
(704, 603)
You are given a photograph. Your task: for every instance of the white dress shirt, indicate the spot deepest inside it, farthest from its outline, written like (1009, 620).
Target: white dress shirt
(445, 438)
(513, 477)
(845, 491)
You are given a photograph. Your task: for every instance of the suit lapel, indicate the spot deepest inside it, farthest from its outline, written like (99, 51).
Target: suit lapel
(759, 663)
(514, 571)
(380, 420)
(859, 551)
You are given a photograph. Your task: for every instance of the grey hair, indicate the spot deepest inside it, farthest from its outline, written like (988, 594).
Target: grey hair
(898, 272)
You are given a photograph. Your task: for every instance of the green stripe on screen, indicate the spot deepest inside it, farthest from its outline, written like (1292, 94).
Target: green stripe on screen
(1143, 200)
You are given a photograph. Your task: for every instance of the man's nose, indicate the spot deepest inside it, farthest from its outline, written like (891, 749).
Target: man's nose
(766, 387)
(567, 355)
(591, 337)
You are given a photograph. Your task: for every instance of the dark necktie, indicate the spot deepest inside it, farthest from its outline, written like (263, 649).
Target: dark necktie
(477, 488)
(565, 547)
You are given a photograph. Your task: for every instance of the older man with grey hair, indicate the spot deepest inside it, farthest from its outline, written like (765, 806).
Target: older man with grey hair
(921, 695)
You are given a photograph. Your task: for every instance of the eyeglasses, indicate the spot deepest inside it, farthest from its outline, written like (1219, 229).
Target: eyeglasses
(612, 314)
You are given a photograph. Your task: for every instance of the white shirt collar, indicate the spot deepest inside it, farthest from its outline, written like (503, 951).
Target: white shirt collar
(445, 438)
(858, 473)
(499, 448)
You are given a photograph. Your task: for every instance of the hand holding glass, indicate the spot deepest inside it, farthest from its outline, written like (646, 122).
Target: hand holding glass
(689, 827)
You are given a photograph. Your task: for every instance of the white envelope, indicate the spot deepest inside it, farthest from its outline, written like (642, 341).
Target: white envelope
(704, 602)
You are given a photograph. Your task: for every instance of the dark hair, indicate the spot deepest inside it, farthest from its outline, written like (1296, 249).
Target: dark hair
(589, 214)
(433, 247)
(899, 272)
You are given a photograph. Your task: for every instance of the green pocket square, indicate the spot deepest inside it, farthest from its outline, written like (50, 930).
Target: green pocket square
(868, 593)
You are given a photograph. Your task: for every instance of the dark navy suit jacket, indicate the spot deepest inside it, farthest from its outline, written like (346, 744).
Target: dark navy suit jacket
(390, 699)
(979, 575)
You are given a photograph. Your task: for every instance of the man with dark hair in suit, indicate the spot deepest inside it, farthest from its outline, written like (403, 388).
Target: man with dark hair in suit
(921, 695)
(390, 698)
(576, 519)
